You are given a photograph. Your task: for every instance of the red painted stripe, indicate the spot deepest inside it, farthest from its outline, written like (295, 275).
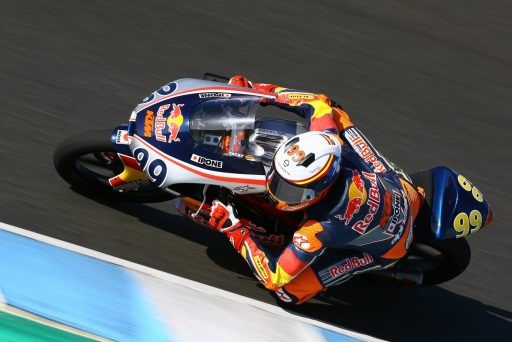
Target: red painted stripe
(129, 161)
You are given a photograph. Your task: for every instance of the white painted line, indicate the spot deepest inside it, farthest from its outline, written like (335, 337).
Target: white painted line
(30, 316)
(210, 290)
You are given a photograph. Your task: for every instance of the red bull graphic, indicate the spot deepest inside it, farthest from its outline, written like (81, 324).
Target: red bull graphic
(356, 197)
(373, 203)
(160, 123)
(344, 268)
(364, 150)
(174, 122)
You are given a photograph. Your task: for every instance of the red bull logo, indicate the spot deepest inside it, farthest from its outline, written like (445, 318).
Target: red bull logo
(160, 123)
(349, 264)
(373, 204)
(174, 122)
(356, 197)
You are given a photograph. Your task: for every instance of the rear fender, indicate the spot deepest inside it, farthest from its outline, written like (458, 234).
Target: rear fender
(453, 206)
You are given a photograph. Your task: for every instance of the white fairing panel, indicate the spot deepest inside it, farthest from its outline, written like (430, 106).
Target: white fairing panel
(165, 171)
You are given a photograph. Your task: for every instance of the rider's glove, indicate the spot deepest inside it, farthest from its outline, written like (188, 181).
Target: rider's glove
(223, 219)
(240, 81)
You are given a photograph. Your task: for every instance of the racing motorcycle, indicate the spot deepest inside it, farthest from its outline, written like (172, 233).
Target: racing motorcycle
(194, 140)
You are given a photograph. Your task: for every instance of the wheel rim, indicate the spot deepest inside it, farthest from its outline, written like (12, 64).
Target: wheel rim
(98, 167)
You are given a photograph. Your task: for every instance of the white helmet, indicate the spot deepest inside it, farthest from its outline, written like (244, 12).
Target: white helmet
(303, 170)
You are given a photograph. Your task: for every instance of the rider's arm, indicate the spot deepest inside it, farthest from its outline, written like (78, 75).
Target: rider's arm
(315, 108)
(321, 116)
(275, 271)
(272, 271)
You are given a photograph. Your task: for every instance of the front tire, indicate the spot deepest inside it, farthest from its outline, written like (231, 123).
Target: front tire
(87, 160)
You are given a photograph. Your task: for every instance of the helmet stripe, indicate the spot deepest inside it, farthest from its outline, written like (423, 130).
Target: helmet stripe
(319, 174)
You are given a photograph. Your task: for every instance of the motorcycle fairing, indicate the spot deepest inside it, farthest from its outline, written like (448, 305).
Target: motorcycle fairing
(194, 131)
(453, 207)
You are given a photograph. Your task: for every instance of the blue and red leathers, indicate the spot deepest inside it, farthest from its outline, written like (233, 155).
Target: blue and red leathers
(363, 223)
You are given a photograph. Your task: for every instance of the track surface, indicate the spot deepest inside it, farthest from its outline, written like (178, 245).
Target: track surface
(428, 81)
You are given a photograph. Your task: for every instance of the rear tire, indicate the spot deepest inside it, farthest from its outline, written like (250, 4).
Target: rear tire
(440, 260)
(87, 160)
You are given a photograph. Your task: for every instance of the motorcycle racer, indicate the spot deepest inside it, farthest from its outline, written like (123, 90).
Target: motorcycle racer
(357, 217)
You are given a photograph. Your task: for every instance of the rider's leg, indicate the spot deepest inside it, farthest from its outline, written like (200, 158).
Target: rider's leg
(331, 268)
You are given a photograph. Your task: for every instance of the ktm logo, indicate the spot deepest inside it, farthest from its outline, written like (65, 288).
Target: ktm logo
(148, 123)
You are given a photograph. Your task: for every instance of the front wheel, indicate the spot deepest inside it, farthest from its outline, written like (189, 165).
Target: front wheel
(87, 160)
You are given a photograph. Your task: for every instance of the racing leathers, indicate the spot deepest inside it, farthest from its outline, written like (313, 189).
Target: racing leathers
(364, 222)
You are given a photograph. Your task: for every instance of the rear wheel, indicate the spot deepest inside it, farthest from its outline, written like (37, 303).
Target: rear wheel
(440, 260)
(87, 160)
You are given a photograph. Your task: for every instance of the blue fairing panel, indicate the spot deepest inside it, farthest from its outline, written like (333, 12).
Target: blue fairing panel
(458, 207)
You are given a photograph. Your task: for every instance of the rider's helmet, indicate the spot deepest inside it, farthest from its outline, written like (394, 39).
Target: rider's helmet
(303, 170)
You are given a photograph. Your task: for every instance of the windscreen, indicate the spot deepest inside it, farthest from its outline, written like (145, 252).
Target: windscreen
(223, 125)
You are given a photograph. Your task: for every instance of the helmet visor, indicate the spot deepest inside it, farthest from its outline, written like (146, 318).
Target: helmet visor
(287, 192)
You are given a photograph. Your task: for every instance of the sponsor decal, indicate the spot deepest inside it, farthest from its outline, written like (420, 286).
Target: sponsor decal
(364, 149)
(399, 235)
(356, 197)
(149, 121)
(234, 154)
(295, 207)
(409, 238)
(272, 239)
(396, 212)
(261, 268)
(402, 226)
(283, 296)
(174, 122)
(209, 95)
(301, 96)
(205, 161)
(346, 265)
(122, 137)
(306, 238)
(160, 123)
(243, 188)
(252, 226)
(267, 131)
(301, 241)
(294, 97)
(373, 204)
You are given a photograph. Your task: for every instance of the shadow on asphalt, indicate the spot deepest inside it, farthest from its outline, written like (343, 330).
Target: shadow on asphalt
(375, 306)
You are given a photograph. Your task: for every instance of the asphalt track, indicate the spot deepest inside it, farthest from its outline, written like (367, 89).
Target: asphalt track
(428, 81)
